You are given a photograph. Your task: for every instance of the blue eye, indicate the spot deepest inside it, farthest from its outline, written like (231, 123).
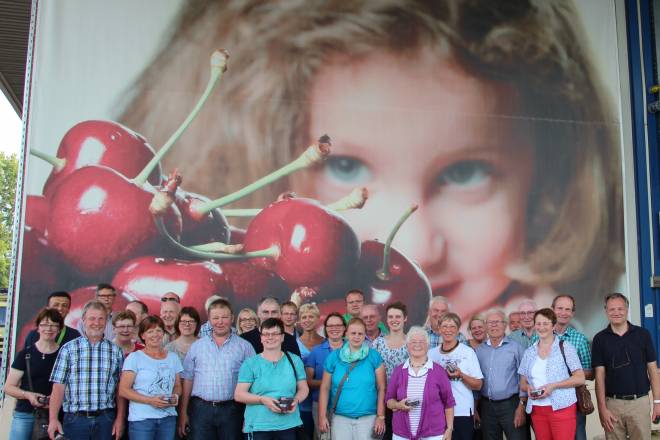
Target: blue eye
(467, 173)
(347, 169)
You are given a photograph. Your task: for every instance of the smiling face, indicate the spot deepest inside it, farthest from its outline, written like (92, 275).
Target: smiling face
(124, 330)
(48, 330)
(616, 311)
(418, 346)
(334, 328)
(526, 312)
(425, 132)
(309, 321)
(168, 312)
(153, 338)
(246, 322)
(60, 303)
(448, 330)
(563, 308)
(395, 319)
(94, 323)
(187, 325)
(478, 330)
(543, 326)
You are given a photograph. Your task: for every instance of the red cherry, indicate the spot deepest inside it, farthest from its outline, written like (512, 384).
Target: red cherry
(105, 143)
(200, 227)
(41, 272)
(36, 212)
(406, 282)
(148, 278)
(250, 283)
(100, 219)
(236, 235)
(316, 247)
(386, 275)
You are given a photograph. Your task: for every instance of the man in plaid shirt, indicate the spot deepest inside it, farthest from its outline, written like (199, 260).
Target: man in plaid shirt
(85, 378)
(564, 308)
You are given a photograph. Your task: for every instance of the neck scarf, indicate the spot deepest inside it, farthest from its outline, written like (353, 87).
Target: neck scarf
(345, 354)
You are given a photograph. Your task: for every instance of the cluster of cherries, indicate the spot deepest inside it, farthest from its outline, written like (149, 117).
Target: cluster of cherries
(107, 213)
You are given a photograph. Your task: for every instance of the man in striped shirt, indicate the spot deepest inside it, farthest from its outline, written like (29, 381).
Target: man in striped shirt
(85, 378)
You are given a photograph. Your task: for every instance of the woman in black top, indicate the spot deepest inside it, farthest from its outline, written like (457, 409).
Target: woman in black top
(41, 357)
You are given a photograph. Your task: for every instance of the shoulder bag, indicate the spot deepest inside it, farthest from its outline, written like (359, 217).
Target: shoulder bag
(584, 403)
(300, 431)
(40, 425)
(328, 435)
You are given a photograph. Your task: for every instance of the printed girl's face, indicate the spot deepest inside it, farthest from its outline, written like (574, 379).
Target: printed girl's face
(423, 131)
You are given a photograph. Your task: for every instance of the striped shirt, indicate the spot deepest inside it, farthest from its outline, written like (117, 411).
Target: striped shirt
(213, 369)
(416, 384)
(89, 373)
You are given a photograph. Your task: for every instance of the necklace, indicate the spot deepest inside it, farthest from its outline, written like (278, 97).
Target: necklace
(420, 365)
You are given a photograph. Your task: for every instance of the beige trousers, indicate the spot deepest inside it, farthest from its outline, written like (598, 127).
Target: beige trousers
(634, 419)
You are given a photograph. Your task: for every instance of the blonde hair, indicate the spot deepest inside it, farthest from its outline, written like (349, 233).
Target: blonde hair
(251, 313)
(257, 119)
(309, 308)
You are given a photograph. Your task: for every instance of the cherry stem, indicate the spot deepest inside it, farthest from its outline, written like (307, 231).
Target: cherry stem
(218, 67)
(384, 273)
(57, 163)
(312, 155)
(355, 200)
(271, 252)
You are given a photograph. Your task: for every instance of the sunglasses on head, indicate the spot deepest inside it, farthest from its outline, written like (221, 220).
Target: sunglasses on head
(165, 299)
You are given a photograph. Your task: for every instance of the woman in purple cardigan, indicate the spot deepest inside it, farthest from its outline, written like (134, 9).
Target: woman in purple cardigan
(419, 394)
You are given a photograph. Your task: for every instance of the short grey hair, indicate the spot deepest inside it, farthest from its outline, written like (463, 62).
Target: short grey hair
(440, 298)
(496, 311)
(418, 330)
(93, 304)
(531, 302)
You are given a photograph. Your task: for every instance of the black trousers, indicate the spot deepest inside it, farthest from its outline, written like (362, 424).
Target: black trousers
(497, 419)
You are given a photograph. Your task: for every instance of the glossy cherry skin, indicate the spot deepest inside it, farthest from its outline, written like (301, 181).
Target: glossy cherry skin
(200, 228)
(406, 283)
(236, 235)
(251, 282)
(107, 143)
(148, 278)
(36, 212)
(317, 247)
(42, 272)
(100, 219)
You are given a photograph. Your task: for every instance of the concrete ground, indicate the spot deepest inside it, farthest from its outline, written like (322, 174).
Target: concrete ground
(594, 430)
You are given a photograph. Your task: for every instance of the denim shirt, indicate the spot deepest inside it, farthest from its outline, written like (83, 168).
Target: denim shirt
(555, 372)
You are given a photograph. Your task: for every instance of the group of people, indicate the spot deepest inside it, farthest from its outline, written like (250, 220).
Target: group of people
(281, 373)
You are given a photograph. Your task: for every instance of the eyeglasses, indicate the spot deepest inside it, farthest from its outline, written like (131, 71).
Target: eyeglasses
(169, 298)
(247, 319)
(45, 326)
(527, 313)
(493, 323)
(271, 335)
(187, 321)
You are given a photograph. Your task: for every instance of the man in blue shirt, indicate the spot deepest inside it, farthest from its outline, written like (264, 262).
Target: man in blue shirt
(502, 403)
(210, 375)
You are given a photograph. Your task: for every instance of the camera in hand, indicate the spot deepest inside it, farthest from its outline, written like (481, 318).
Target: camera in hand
(43, 400)
(536, 393)
(60, 436)
(285, 403)
(413, 402)
(172, 400)
(451, 367)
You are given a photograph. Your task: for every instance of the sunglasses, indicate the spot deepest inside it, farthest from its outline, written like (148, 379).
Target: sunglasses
(165, 299)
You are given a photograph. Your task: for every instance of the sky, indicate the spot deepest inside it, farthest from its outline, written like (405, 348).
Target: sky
(10, 128)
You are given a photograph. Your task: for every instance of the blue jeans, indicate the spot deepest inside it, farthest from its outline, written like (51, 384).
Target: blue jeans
(220, 422)
(21, 426)
(581, 427)
(80, 427)
(152, 429)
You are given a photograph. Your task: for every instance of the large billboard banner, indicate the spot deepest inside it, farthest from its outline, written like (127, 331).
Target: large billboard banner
(498, 121)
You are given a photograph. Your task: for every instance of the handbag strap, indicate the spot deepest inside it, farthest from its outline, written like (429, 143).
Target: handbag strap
(29, 372)
(563, 355)
(293, 367)
(340, 386)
